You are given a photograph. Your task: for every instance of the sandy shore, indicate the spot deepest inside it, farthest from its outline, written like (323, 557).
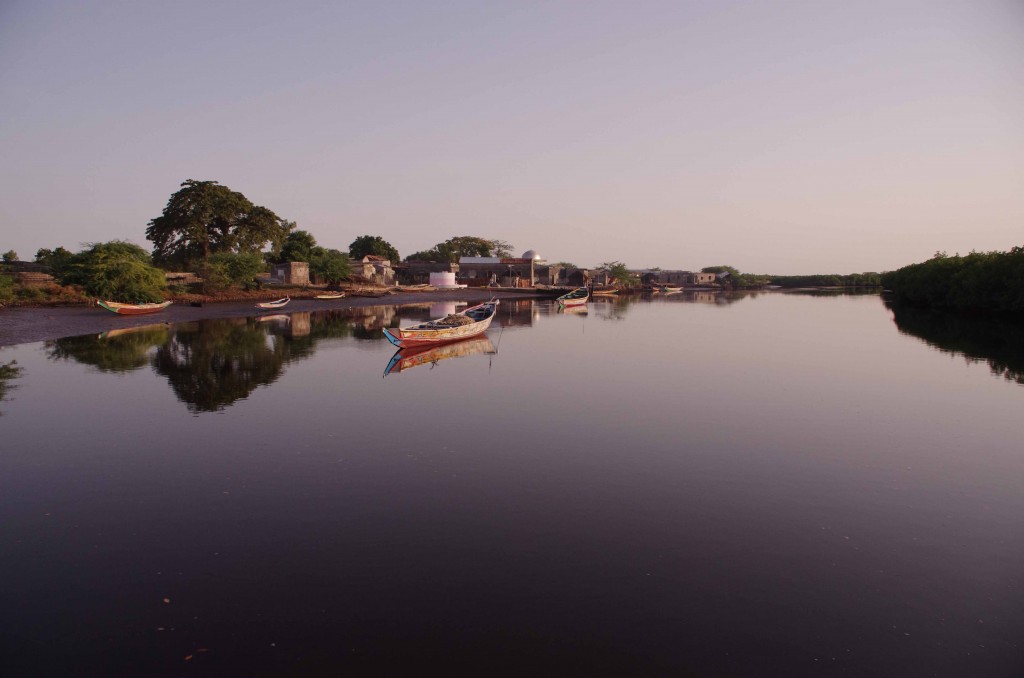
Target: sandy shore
(25, 325)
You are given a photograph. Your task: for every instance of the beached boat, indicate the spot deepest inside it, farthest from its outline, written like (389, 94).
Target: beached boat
(578, 296)
(133, 309)
(330, 295)
(406, 358)
(452, 327)
(278, 303)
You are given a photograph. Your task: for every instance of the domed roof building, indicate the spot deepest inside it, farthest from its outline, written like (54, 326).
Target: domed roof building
(532, 254)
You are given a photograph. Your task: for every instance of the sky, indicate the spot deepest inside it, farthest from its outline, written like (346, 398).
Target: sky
(791, 137)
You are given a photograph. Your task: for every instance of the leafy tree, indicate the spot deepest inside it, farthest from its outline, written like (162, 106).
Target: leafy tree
(116, 270)
(720, 269)
(203, 218)
(501, 248)
(453, 249)
(372, 244)
(56, 260)
(10, 256)
(297, 247)
(330, 265)
(618, 272)
(567, 266)
(224, 269)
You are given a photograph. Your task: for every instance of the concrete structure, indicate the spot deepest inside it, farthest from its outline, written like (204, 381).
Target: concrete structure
(374, 268)
(291, 273)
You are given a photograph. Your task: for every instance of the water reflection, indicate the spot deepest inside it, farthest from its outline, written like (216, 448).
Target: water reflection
(9, 371)
(122, 350)
(408, 358)
(996, 341)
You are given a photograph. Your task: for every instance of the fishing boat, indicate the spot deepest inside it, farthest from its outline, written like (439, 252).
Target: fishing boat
(330, 295)
(414, 356)
(277, 303)
(578, 296)
(133, 309)
(453, 327)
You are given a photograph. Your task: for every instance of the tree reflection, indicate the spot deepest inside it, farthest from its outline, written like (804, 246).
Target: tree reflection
(122, 350)
(211, 365)
(998, 341)
(8, 372)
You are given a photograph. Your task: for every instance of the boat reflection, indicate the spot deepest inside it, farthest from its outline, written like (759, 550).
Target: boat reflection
(407, 358)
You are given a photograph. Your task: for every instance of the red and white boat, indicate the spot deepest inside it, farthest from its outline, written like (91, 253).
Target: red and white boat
(132, 309)
(453, 327)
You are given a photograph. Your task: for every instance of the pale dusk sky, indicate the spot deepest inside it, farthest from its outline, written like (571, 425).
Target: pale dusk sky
(776, 137)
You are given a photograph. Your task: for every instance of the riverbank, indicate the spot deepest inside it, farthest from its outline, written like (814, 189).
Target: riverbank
(22, 325)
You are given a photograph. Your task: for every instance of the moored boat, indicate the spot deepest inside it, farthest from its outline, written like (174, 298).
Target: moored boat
(277, 303)
(132, 309)
(578, 296)
(452, 327)
(330, 295)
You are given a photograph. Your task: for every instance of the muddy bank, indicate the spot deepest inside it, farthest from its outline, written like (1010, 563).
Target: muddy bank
(25, 325)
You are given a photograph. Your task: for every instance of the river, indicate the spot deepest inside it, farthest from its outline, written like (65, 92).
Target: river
(752, 485)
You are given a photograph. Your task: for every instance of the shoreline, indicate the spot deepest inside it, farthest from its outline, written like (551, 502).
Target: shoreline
(26, 325)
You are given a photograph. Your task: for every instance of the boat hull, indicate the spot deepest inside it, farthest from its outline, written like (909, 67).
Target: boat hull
(425, 334)
(133, 309)
(280, 303)
(577, 297)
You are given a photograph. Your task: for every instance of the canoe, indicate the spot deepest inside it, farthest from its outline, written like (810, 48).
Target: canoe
(333, 295)
(133, 309)
(578, 296)
(453, 327)
(274, 304)
(406, 358)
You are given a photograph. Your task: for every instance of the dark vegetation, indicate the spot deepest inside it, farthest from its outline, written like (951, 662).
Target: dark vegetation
(990, 281)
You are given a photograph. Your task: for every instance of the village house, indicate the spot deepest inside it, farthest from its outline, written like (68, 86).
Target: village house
(374, 268)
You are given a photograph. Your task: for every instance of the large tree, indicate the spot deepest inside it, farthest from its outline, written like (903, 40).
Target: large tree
(453, 249)
(297, 247)
(330, 265)
(372, 244)
(203, 218)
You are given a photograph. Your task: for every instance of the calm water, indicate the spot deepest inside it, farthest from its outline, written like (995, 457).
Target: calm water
(772, 485)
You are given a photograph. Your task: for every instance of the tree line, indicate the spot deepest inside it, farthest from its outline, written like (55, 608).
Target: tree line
(992, 281)
(227, 240)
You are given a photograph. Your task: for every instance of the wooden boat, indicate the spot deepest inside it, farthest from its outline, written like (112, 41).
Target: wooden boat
(414, 356)
(578, 296)
(453, 327)
(133, 309)
(278, 303)
(330, 295)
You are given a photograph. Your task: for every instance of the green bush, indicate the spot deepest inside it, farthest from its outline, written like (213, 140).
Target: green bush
(225, 269)
(6, 288)
(116, 270)
(30, 293)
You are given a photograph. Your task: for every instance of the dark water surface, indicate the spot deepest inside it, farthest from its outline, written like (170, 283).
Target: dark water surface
(781, 485)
